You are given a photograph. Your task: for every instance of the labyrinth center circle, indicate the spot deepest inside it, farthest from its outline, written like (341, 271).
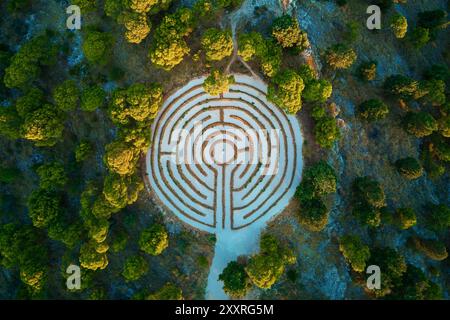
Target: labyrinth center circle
(224, 163)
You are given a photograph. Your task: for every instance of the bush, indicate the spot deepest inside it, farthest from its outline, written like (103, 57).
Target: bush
(285, 91)
(313, 215)
(154, 240)
(326, 132)
(399, 25)
(217, 83)
(373, 110)
(340, 57)
(355, 252)
(416, 286)
(409, 168)
(406, 218)
(135, 267)
(97, 47)
(286, 31)
(367, 71)
(236, 282)
(419, 124)
(440, 148)
(92, 98)
(217, 44)
(52, 175)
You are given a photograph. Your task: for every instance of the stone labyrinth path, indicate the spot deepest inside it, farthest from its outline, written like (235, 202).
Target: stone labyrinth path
(224, 163)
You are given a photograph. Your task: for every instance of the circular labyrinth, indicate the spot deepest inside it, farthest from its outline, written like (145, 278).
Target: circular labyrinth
(224, 162)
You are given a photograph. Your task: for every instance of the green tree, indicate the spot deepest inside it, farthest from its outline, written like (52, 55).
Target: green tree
(27, 63)
(121, 158)
(355, 252)
(266, 267)
(409, 167)
(285, 90)
(168, 292)
(97, 47)
(167, 55)
(44, 207)
(419, 124)
(250, 45)
(43, 126)
(236, 282)
(139, 102)
(169, 47)
(286, 31)
(135, 267)
(313, 214)
(373, 110)
(217, 83)
(91, 259)
(137, 26)
(340, 56)
(217, 44)
(154, 240)
(31, 101)
(92, 97)
(367, 215)
(399, 25)
(318, 180)
(317, 90)
(52, 175)
(406, 218)
(121, 191)
(326, 132)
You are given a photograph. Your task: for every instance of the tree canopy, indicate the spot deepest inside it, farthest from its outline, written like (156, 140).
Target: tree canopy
(285, 90)
(154, 240)
(217, 44)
